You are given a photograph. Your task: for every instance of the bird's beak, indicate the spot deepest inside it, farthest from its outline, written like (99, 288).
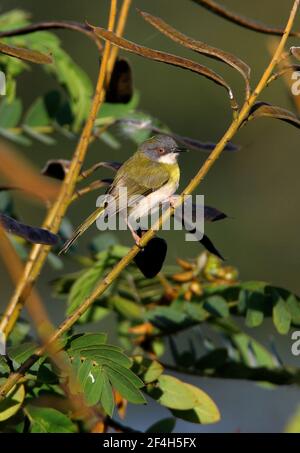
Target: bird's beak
(181, 149)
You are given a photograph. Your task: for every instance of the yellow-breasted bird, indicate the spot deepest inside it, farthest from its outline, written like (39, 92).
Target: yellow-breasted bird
(151, 177)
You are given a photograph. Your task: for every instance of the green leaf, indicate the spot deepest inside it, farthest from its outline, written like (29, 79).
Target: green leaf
(166, 425)
(127, 308)
(251, 352)
(107, 398)
(217, 306)
(205, 410)
(254, 318)
(196, 311)
(148, 370)
(98, 367)
(37, 115)
(293, 425)
(174, 394)
(107, 354)
(114, 111)
(36, 118)
(281, 317)
(102, 241)
(76, 82)
(88, 340)
(21, 352)
(10, 113)
(125, 386)
(94, 386)
(83, 286)
(166, 318)
(4, 368)
(12, 403)
(293, 306)
(48, 420)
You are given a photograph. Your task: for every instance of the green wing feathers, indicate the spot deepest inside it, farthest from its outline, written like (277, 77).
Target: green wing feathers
(82, 228)
(140, 176)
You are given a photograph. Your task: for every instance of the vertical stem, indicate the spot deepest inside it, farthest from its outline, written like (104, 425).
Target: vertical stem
(52, 222)
(123, 263)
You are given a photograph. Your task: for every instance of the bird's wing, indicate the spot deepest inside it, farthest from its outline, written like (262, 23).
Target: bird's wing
(142, 182)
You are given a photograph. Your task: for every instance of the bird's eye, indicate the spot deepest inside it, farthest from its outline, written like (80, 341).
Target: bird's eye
(160, 150)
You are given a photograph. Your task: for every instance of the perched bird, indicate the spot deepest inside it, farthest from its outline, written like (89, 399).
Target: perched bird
(151, 177)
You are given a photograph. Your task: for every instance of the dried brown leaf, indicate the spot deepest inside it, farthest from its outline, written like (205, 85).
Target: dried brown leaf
(200, 47)
(56, 168)
(295, 51)
(283, 71)
(33, 56)
(262, 109)
(167, 58)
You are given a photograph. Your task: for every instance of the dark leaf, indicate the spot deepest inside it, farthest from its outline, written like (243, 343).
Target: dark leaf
(151, 259)
(262, 109)
(56, 169)
(120, 89)
(213, 215)
(207, 243)
(31, 234)
(217, 306)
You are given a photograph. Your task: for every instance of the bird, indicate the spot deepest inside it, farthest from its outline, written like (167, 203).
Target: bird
(151, 177)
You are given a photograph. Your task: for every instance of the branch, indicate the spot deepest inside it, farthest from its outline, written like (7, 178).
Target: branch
(52, 25)
(245, 22)
(123, 263)
(53, 220)
(277, 376)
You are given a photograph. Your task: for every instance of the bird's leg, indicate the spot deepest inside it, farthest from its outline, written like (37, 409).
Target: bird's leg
(172, 200)
(135, 236)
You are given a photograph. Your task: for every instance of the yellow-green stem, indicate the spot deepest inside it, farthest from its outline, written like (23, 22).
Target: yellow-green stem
(52, 222)
(123, 263)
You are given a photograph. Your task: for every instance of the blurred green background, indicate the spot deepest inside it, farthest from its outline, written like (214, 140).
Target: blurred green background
(258, 187)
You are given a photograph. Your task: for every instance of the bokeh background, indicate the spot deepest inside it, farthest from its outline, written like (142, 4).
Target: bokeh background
(258, 187)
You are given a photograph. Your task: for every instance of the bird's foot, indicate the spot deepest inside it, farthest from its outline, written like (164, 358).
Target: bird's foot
(137, 238)
(173, 200)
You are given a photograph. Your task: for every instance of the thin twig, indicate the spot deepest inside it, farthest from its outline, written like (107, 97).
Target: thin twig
(245, 22)
(53, 220)
(53, 25)
(41, 322)
(123, 263)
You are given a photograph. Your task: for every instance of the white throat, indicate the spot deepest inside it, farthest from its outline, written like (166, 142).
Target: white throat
(170, 158)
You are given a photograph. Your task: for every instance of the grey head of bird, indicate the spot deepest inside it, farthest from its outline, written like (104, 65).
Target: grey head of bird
(161, 148)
